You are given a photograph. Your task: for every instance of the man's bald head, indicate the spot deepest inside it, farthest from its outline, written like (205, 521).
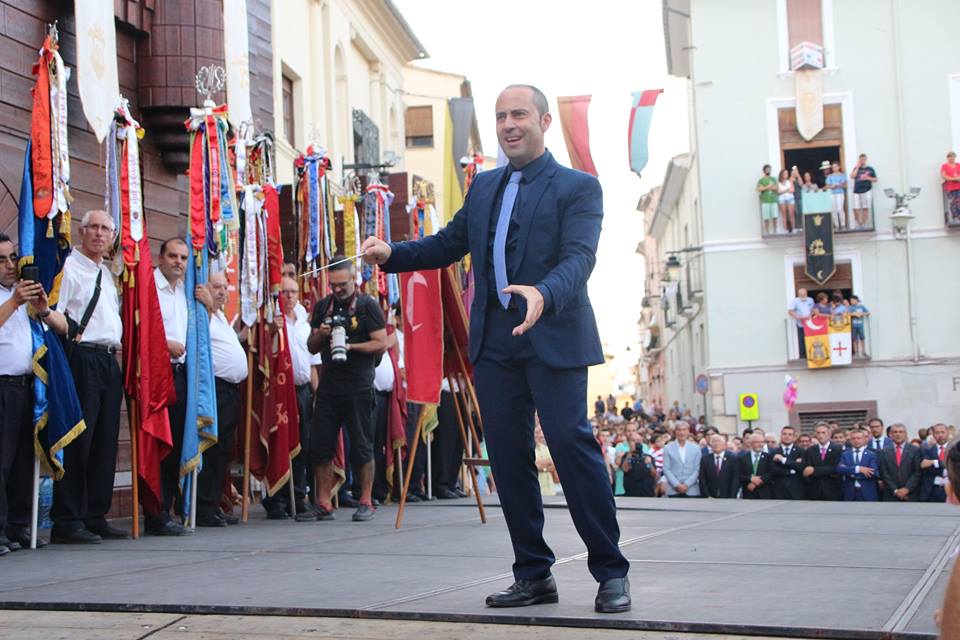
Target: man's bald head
(217, 284)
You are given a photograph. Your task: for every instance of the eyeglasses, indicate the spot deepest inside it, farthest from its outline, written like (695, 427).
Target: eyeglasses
(290, 292)
(12, 258)
(99, 227)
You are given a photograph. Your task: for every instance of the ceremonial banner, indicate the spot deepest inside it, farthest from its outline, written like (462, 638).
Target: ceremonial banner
(455, 323)
(462, 118)
(816, 335)
(640, 114)
(452, 185)
(841, 348)
(576, 131)
(809, 92)
(97, 63)
(423, 335)
(818, 246)
(236, 51)
(57, 417)
(396, 414)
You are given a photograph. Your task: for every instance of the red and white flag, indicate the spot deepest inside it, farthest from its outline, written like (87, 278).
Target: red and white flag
(422, 335)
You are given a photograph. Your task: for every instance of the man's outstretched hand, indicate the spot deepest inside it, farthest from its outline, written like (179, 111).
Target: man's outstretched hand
(534, 306)
(375, 250)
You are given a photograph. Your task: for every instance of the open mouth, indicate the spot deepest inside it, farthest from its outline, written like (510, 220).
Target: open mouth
(512, 139)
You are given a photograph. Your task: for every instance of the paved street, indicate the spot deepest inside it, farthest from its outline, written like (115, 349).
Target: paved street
(699, 566)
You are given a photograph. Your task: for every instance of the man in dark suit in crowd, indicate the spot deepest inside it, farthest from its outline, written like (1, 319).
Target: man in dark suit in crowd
(859, 469)
(787, 467)
(933, 468)
(719, 471)
(755, 478)
(821, 461)
(878, 439)
(900, 467)
(532, 229)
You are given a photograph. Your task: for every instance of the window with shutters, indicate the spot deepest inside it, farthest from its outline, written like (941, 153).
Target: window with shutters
(419, 126)
(289, 117)
(804, 21)
(846, 414)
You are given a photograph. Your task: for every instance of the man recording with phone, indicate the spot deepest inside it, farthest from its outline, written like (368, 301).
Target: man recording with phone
(349, 331)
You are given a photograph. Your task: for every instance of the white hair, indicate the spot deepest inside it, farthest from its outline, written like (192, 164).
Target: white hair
(85, 220)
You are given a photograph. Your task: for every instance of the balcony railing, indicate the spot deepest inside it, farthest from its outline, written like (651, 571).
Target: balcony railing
(822, 202)
(792, 343)
(951, 207)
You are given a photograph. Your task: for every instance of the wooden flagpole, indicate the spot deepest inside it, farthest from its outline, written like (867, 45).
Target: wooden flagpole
(133, 418)
(468, 462)
(410, 459)
(247, 428)
(35, 506)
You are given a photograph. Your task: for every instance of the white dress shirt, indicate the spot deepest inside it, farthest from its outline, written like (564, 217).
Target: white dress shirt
(76, 291)
(297, 333)
(173, 307)
(383, 377)
(16, 340)
(229, 359)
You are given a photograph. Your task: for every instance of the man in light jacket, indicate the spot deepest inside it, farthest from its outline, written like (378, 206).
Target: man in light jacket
(681, 465)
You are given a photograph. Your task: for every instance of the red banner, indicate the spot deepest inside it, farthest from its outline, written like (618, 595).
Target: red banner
(576, 131)
(456, 324)
(422, 335)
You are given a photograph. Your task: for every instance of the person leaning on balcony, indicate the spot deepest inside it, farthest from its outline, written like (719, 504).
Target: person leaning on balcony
(822, 306)
(858, 311)
(950, 172)
(837, 184)
(767, 188)
(808, 184)
(800, 309)
(786, 199)
(863, 177)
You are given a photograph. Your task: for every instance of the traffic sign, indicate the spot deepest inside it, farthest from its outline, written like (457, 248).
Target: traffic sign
(703, 383)
(749, 407)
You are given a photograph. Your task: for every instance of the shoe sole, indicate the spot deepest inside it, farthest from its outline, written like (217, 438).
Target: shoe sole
(550, 598)
(620, 609)
(363, 519)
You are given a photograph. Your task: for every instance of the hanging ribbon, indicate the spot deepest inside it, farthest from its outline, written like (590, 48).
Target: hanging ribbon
(249, 271)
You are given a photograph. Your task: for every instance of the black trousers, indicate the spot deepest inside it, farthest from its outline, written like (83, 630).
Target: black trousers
(170, 466)
(217, 458)
(420, 460)
(83, 496)
(513, 383)
(381, 410)
(16, 453)
(802, 342)
(446, 451)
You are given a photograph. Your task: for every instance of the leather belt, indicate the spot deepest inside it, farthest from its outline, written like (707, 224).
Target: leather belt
(17, 381)
(92, 346)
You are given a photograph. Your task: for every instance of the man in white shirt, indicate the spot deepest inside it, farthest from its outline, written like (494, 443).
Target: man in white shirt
(229, 370)
(168, 276)
(16, 398)
(800, 309)
(384, 381)
(81, 500)
(305, 380)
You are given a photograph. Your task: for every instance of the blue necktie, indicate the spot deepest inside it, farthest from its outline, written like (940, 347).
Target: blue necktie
(500, 238)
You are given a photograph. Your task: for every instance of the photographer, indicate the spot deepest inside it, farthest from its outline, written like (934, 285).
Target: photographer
(348, 330)
(639, 470)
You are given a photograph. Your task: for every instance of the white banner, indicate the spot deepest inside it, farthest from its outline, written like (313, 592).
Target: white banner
(97, 63)
(809, 91)
(236, 53)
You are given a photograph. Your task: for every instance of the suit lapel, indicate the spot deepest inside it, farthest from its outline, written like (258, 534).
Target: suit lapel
(530, 201)
(487, 198)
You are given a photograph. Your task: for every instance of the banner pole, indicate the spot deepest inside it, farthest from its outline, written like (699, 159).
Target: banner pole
(133, 420)
(35, 506)
(463, 434)
(247, 423)
(193, 498)
(410, 459)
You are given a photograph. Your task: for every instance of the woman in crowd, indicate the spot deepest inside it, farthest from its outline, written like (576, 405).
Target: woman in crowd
(546, 472)
(786, 199)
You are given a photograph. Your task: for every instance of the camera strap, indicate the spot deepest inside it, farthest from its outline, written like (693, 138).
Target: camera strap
(331, 305)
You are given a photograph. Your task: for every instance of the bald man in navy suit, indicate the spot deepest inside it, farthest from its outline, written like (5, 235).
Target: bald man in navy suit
(532, 229)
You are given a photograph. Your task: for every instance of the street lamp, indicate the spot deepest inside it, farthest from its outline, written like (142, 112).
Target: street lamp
(900, 219)
(673, 267)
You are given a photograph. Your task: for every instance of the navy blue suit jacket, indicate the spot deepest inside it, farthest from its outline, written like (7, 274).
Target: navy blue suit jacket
(868, 486)
(556, 249)
(929, 491)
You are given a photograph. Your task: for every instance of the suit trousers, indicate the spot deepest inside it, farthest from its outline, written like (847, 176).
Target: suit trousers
(170, 466)
(420, 460)
(381, 409)
(446, 450)
(83, 497)
(216, 459)
(16, 453)
(512, 383)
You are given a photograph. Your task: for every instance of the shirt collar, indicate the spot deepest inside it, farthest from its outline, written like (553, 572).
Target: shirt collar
(533, 169)
(86, 262)
(162, 282)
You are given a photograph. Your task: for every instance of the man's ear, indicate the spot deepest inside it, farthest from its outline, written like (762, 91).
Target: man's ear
(545, 122)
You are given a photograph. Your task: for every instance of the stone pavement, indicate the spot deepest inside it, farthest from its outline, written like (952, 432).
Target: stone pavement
(803, 569)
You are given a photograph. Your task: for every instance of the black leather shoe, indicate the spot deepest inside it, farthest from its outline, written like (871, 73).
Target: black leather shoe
(418, 494)
(277, 514)
(524, 593)
(348, 502)
(412, 497)
(10, 545)
(230, 519)
(210, 520)
(21, 535)
(445, 494)
(168, 528)
(613, 596)
(107, 532)
(75, 536)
